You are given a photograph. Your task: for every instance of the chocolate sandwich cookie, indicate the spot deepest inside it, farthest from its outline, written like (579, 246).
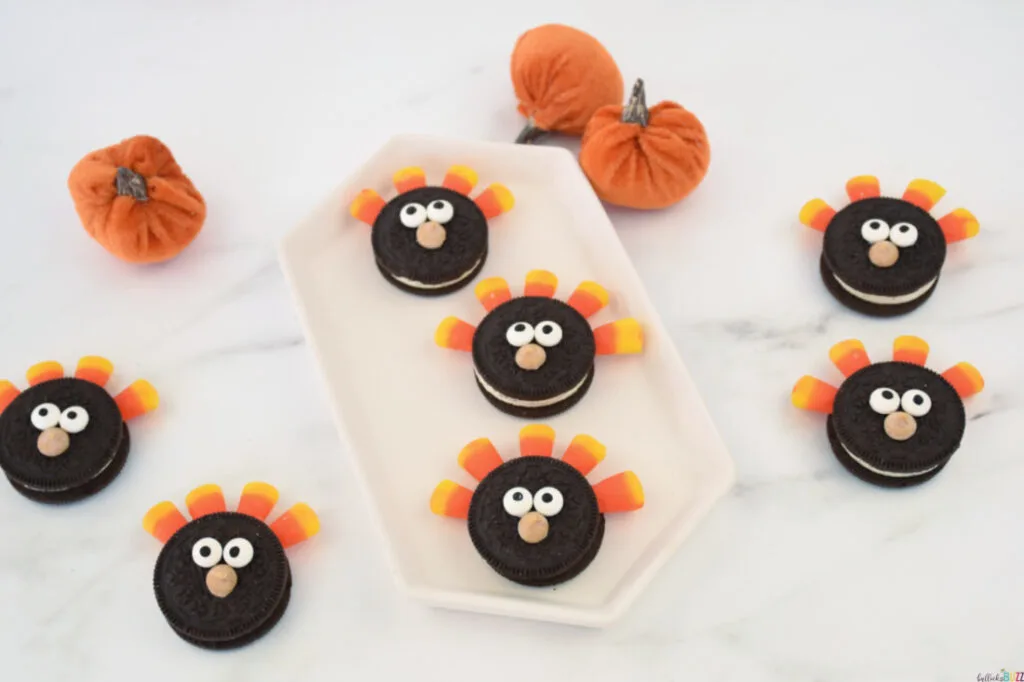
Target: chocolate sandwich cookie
(66, 438)
(223, 580)
(883, 256)
(533, 356)
(431, 240)
(896, 423)
(534, 519)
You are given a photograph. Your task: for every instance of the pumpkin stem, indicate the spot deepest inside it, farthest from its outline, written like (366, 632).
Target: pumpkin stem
(130, 184)
(530, 132)
(635, 110)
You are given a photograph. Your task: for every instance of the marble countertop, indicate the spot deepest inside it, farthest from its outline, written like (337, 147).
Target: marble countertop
(801, 574)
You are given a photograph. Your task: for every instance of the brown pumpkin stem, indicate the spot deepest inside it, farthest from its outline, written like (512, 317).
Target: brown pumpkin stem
(131, 184)
(530, 132)
(636, 110)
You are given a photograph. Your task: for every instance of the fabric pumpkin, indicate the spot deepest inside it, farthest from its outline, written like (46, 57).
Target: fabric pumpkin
(134, 200)
(561, 77)
(644, 158)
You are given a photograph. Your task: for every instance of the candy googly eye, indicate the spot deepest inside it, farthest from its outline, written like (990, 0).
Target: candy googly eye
(413, 215)
(206, 553)
(903, 235)
(548, 333)
(874, 230)
(440, 211)
(238, 553)
(519, 334)
(517, 501)
(74, 419)
(916, 403)
(45, 416)
(548, 501)
(884, 400)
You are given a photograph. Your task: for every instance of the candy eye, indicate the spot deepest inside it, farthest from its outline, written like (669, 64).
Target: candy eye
(206, 553)
(916, 403)
(548, 501)
(45, 416)
(549, 334)
(517, 501)
(440, 211)
(238, 553)
(519, 334)
(874, 230)
(884, 400)
(413, 215)
(903, 234)
(74, 419)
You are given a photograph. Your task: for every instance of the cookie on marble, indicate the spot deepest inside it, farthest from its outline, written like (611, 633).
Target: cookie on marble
(431, 240)
(65, 438)
(534, 519)
(222, 580)
(533, 355)
(896, 423)
(882, 256)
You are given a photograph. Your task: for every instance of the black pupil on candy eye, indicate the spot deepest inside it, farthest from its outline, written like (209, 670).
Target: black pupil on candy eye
(438, 205)
(72, 415)
(43, 412)
(409, 210)
(547, 497)
(918, 400)
(233, 552)
(204, 551)
(517, 496)
(546, 329)
(520, 327)
(903, 228)
(887, 395)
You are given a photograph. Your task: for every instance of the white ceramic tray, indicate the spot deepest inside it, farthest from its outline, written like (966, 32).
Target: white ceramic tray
(406, 407)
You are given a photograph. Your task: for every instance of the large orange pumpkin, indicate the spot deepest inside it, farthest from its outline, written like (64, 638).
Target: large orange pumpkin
(134, 200)
(562, 76)
(644, 158)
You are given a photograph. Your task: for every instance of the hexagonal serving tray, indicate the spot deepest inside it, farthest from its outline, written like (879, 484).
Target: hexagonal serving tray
(405, 407)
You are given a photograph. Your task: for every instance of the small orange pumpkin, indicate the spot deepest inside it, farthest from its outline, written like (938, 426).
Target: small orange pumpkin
(644, 158)
(134, 200)
(561, 77)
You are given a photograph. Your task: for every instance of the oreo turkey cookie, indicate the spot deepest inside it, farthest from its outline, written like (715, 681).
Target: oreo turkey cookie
(431, 240)
(883, 256)
(534, 519)
(533, 355)
(66, 438)
(896, 423)
(222, 580)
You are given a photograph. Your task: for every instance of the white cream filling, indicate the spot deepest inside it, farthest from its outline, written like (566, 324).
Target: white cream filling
(420, 285)
(528, 403)
(887, 300)
(69, 487)
(889, 474)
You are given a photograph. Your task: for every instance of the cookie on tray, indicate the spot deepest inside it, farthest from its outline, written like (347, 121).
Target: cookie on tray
(533, 355)
(222, 580)
(65, 438)
(535, 519)
(431, 240)
(896, 423)
(883, 256)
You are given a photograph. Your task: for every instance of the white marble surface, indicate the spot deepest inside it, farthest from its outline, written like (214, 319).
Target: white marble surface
(802, 574)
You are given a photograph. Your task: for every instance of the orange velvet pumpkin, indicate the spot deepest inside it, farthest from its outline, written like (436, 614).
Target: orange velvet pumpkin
(134, 200)
(644, 158)
(561, 77)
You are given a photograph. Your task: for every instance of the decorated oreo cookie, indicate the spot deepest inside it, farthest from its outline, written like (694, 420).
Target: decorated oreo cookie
(65, 438)
(222, 580)
(431, 240)
(536, 520)
(534, 355)
(882, 256)
(894, 423)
